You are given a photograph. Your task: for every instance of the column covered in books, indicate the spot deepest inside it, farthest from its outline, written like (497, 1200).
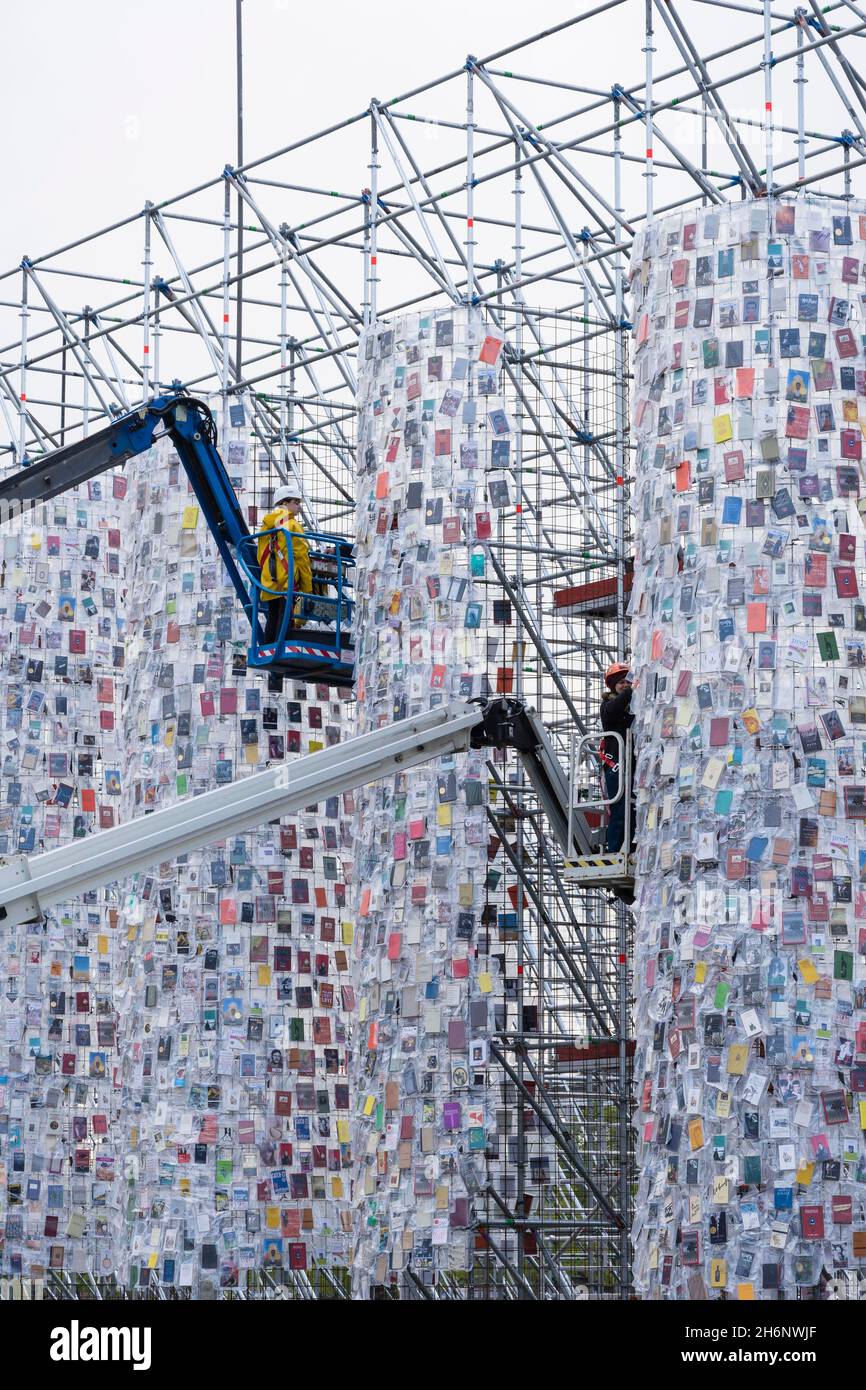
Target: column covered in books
(236, 991)
(749, 643)
(62, 671)
(431, 425)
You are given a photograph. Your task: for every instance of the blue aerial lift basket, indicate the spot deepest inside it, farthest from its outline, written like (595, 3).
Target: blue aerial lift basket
(314, 641)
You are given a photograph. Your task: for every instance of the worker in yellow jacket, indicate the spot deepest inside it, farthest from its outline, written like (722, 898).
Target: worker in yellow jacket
(274, 560)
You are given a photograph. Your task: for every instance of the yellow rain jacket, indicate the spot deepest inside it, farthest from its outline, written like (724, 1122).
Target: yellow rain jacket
(273, 556)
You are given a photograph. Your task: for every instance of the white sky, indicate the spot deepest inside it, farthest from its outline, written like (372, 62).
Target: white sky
(110, 102)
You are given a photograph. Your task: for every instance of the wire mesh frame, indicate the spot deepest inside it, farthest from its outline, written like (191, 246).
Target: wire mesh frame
(488, 215)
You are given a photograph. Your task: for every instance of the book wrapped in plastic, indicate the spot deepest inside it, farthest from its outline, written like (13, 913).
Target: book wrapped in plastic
(749, 644)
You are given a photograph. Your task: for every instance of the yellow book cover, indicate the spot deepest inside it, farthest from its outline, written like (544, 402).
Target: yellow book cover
(738, 1056)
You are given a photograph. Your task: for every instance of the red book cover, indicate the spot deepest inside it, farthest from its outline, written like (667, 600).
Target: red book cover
(297, 1255)
(734, 466)
(719, 732)
(490, 350)
(842, 1210)
(735, 866)
(846, 581)
(852, 444)
(797, 422)
(680, 273)
(682, 309)
(812, 1222)
(815, 570)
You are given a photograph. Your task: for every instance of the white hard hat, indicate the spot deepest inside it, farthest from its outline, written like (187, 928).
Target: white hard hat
(286, 493)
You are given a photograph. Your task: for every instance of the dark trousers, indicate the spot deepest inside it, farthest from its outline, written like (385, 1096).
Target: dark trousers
(616, 824)
(273, 618)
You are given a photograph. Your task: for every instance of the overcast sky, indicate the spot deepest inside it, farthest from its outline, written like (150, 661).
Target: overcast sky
(110, 102)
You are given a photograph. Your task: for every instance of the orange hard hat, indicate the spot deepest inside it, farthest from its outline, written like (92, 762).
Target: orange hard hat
(615, 673)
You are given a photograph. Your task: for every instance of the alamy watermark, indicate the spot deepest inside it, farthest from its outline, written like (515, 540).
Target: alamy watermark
(77, 1343)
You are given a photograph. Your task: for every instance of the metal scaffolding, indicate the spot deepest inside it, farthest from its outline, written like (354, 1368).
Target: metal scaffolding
(520, 195)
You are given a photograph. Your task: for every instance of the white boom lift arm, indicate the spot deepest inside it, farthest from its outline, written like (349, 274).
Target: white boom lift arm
(29, 886)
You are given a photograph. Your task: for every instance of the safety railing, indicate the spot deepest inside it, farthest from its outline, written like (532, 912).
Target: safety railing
(587, 763)
(329, 565)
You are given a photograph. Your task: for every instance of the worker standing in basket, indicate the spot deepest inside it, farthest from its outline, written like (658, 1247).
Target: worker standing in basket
(274, 559)
(616, 718)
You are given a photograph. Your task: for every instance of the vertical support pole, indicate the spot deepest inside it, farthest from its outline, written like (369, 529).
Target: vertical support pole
(704, 150)
(768, 99)
(619, 397)
(87, 314)
(520, 841)
(365, 288)
(227, 232)
(586, 392)
(501, 520)
(620, 422)
(800, 82)
(847, 175)
(239, 285)
(157, 338)
(145, 344)
(649, 50)
(374, 216)
(22, 383)
(293, 348)
(470, 184)
(62, 397)
(284, 353)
